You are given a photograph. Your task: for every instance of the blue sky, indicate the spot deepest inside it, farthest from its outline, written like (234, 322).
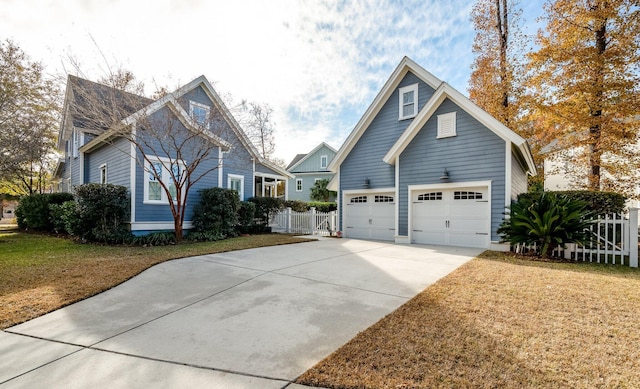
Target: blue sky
(318, 64)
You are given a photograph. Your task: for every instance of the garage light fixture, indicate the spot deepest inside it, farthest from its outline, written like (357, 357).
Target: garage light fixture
(365, 185)
(445, 175)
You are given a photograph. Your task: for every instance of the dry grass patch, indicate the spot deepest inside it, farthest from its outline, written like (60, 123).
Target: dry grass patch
(500, 321)
(40, 273)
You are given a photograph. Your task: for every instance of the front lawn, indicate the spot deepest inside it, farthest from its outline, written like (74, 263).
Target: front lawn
(40, 273)
(499, 321)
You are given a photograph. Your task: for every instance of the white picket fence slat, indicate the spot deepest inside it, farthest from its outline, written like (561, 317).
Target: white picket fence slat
(307, 223)
(614, 240)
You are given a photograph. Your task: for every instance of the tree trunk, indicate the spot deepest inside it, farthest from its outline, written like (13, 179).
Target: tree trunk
(595, 131)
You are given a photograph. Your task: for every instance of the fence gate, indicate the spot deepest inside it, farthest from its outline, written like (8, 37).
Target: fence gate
(307, 223)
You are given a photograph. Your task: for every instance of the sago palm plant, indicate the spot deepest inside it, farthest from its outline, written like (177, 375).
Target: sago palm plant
(548, 220)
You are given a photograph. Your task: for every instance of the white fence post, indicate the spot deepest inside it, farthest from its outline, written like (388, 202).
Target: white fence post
(288, 220)
(312, 221)
(633, 237)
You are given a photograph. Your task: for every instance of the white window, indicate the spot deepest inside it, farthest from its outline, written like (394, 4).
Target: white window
(323, 162)
(408, 104)
(199, 113)
(430, 196)
(236, 182)
(359, 199)
(447, 125)
(159, 171)
(103, 173)
(299, 185)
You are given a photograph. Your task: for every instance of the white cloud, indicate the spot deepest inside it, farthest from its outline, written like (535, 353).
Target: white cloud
(318, 64)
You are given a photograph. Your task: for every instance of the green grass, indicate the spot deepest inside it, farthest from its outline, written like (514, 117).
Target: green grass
(41, 273)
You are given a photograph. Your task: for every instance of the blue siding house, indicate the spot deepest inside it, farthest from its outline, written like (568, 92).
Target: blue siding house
(112, 136)
(309, 168)
(426, 165)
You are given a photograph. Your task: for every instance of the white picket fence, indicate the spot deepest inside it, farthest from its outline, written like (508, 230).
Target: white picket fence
(614, 240)
(307, 223)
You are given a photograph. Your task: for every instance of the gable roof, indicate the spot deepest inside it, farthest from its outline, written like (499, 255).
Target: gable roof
(303, 157)
(443, 92)
(405, 66)
(81, 108)
(295, 160)
(171, 100)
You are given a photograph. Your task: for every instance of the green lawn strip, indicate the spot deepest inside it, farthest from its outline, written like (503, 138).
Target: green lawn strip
(501, 321)
(41, 273)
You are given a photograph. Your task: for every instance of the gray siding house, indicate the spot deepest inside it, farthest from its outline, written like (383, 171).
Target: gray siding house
(426, 165)
(97, 136)
(309, 168)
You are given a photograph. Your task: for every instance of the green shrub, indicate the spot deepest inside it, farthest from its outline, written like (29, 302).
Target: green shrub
(601, 203)
(323, 206)
(319, 191)
(296, 205)
(33, 211)
(246, 214)
(62, 215)
(546, 219)
(217, 213)
(160, 238)
(100, 213)
(204, 236)
(265, 208)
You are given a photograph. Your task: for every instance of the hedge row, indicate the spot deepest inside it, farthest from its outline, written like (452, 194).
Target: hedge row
(599, 203)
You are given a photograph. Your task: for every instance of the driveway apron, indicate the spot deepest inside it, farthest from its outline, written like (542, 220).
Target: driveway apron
(250, 318)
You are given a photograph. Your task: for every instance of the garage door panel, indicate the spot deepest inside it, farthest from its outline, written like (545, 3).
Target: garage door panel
(370, 216)
(458, 217)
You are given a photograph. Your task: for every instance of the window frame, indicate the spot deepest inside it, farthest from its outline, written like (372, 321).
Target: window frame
(324, 161)
(401, 104)
(207, 109)
(231, 178)
(299, 184)
(103, 174)
(166, 163)
(447, 118)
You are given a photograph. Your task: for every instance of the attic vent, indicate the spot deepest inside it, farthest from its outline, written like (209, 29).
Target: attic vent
(447, 125)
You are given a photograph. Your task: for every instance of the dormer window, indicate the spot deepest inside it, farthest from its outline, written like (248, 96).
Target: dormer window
(199, 113)
(408, 104)
(323, 161)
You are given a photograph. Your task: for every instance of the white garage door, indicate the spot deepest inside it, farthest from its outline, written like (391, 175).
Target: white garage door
(453, 217)
(370, 216)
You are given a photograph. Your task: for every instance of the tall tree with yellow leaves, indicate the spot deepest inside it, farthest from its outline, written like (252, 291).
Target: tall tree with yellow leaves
(584, 84)
(497, 69)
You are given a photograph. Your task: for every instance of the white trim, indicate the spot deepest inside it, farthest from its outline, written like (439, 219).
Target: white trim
(409, 88)
(450, 119)
(220, 167)
(236, 177)
(166, 175)
(397, 195)
(103, 167)
(405, 65)
(325, 159)
(269, 175)
(508, 170)
(132, 176)
(447, 186)
(195, 104)
(300, 181)
(166, 225)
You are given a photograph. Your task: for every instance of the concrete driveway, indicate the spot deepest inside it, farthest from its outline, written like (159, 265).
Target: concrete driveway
(251, 318)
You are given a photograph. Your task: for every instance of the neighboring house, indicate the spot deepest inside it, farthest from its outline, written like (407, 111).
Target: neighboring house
(561, 172)
(309, 168)
(426, 165)
(95, 152)
(8, 208)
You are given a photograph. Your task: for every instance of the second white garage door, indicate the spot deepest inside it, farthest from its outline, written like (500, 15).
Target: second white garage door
(453, 217)
(370, 216)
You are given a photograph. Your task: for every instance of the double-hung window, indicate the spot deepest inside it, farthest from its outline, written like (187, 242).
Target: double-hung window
(408, 104)
(299, 185)
(200, 113)
(323, 161)
(236, 182)
(103, 173)
(160, 171)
